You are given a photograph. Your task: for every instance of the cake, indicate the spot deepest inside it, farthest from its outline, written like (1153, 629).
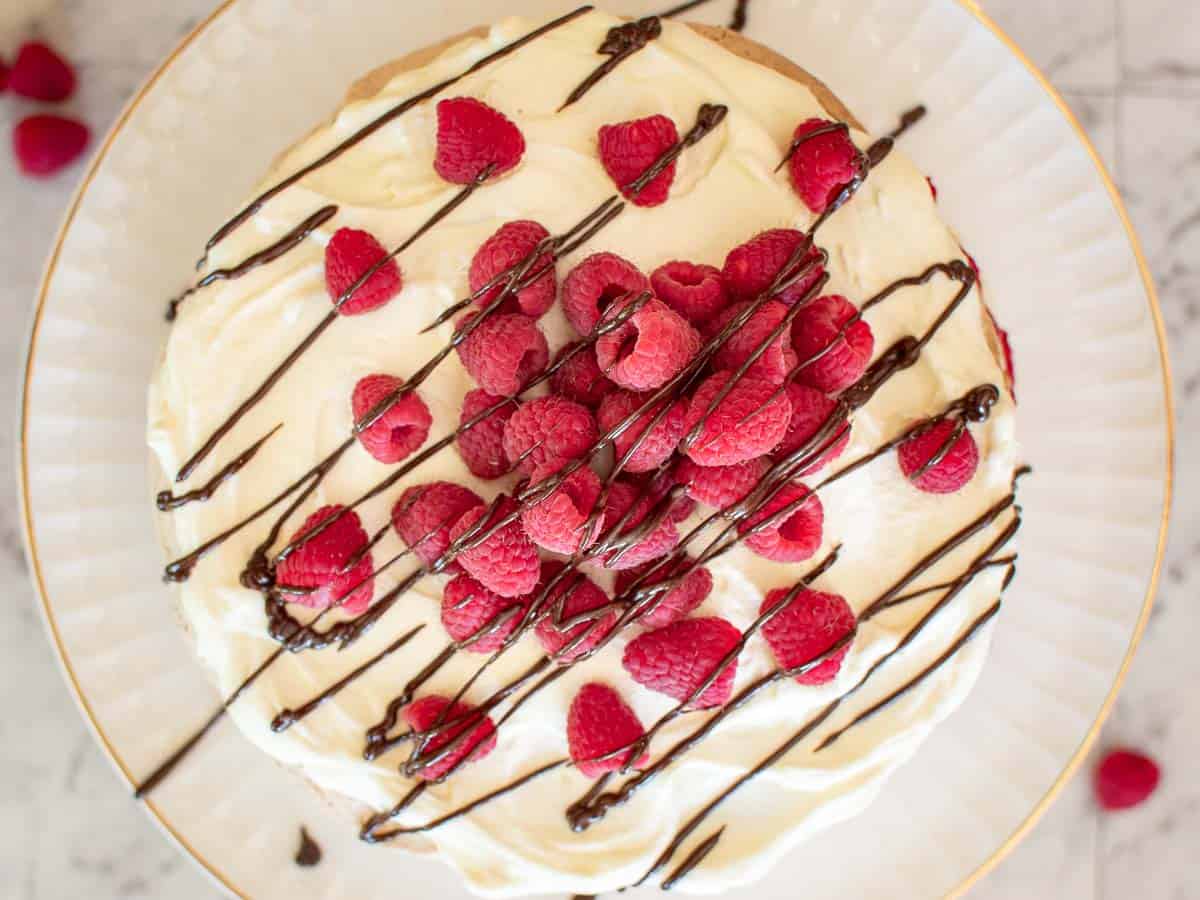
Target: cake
(406, 550)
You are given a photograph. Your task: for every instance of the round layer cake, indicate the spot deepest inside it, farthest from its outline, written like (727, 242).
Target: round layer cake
(855, 629)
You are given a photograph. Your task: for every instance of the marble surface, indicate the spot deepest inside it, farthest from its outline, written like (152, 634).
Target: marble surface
(68, 827)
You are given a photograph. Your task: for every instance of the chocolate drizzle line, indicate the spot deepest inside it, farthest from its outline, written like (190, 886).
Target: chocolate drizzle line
(373, 126)
(621, 43)
(292, 239)
(309, 853)
(167, 501)
(907, 120)
(693, 859)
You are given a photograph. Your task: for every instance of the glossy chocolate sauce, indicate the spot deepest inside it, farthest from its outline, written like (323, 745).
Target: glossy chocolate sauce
(621, 43)
(309, 852)
(167, 501)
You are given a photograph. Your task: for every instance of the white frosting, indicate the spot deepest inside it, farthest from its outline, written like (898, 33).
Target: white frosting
(230, 335)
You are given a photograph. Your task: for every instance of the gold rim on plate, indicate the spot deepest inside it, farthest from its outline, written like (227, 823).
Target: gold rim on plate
(1076, 761)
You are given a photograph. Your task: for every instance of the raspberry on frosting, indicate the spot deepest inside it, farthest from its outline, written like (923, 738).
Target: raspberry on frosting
(821, 166)
(424, 515)
(44, 144)
(627, 508)
(776, 361)
(656, 447)
(678, 601)
(720, 486)
(556, 522)
(831, 360)
(795, 536)
(677, 659)
(471, 136)
(809, 625)
(41, 74)
(401, 429)
(470, 612)
(332, 563)
(1124, 779)
(936, 461)
(503, 352)
(599, 722)
(504, 251)
(752, 267)
(647, 349)
(422, 714)
(694, 291)
(810, 410)
(750, 420)
(482, 445)
(546, 433)
(628, 149)
(579, 377)
(350, 255)
(656, 485)
(503, 558)
(578, 595)
(591, 287)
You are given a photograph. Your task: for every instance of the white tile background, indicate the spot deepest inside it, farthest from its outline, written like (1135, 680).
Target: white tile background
(1130, 69)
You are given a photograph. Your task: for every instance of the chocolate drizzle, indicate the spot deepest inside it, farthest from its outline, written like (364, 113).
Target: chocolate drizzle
(694, 859)
(621, 43)
(908, 119)
(309, 853)
(167, 501)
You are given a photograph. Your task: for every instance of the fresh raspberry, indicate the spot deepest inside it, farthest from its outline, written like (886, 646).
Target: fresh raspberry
(506, 561)
(545, 434)
(349, 255)
(582, 596)
(598, 723)
(506, 250)
(950, 473)
(330, 563)
(647, 349)
(677, 659)
(594, 284)
(580, 378)
(748, 422)
(750, 268)
(557, 522)
(810, 410)
(624, 496)
(472, 136)
(421, 716)
(776, 362)
(679, 601)
(628, 149)
(655, 486)
(830, 361)
(1125, 778)
(932, 187)
(503, 352)
(794, 538)
(41, 74)
(44, 145)
(482, 445)
(1006, 347)
(424, 515)
(720, 486)
(468, 609)
(694, 291)
(807, 627)
(823, 165)
(400, 430)
(658, 446)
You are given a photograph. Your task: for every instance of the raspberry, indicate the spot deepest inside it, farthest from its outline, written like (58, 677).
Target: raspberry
(503, 352)
(505, 561)
(950, 473)
(598, 723)
(506, 250)
(776, 362)
(830, 361)
(679, 601)
(472, 136)
(349, 254)
(469, 609)
(807, 627)
(322, 563)
(424, 515)
(810, 409)
(748, 422)
(656, 486)
(794, 538)
(1006, 347)
(677, 659)
(823, 165)
(623, 497)
(1125, 778)
(45, 144)
(545, 434)
(750, 268)
(556, 523)
(647, 349)
(694, 291)
(422, 714)
(482, 445)
(582, 596)
(594, 284)
(628, 149)
(580, 378)
(721, 486)
(658, 446)
(400, 430)
(41, 74)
